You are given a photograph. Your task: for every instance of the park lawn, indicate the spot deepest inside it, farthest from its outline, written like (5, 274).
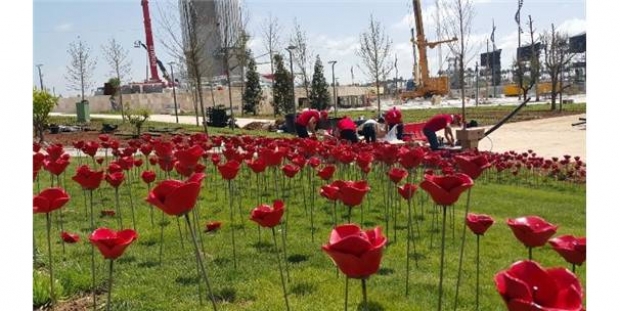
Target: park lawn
(141, 283)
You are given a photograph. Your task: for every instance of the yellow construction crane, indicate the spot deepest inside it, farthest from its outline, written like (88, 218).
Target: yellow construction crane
(425, 85)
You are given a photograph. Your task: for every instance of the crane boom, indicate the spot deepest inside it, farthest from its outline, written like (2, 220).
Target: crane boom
(420, 40)
(150, 45)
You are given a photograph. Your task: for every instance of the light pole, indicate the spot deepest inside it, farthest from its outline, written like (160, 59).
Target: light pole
(290, 49)
(174, 92)
(333, 62)
(40, 76)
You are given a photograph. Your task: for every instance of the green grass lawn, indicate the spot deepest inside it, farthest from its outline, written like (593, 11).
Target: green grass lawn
(141, 283)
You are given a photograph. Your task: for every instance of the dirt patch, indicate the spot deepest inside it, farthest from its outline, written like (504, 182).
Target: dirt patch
(80, 303)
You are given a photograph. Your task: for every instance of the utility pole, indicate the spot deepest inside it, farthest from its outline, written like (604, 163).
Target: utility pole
(174, 93)
(290, 49)
(333, 62)
(40, 76)
(477, 86)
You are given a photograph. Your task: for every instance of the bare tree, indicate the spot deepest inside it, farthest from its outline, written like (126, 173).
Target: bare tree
(234, 45)
(375, 50)
(117, 58)
(188, 35)
(527, 75)
(557, 55)
(457, 20)
(271, 42)
(81, 68)
(302, 55)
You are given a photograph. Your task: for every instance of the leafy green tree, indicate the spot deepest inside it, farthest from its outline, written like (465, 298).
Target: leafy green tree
(282, 92)
(319, 97)
(253, 91)
(137, 117)
(43, 103)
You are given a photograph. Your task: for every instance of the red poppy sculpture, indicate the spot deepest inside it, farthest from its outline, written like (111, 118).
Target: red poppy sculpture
(178, 198)
(112, 245)
(473, 166)
(445, 191)
(478, 224)
(407, 191)
(47, 201)
(69, 238)
(356, 252)
(571, 248)
(532, 231)
(269, 217)
(528, 286)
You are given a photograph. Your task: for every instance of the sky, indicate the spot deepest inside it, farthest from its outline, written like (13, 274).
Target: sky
(333, 28)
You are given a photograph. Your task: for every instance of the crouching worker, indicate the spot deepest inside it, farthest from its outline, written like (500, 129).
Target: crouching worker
(307, 121)
(371, 128)
(441, 122)
(346, 129)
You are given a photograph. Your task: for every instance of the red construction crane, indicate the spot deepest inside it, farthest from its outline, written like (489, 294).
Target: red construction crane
(150, 45)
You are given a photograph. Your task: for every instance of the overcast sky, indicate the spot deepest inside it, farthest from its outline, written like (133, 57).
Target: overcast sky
(332, 26)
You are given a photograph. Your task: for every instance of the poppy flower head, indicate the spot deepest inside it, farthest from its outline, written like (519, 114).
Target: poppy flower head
(115, 179)
(87, 178)
(528, 286)
(397, 174)
(108, 213)
(257, 165)
(479, 223)
(327, 172)
(148, 176)
(352, 193)
(229, 170)
(290, 170)
(532, 231)
(69, 238)
(57, 166)
(213, 226)
(110, 243)
(90, 148)
(175, 197)
(314, 162)
(356, 252)
(267, 216)
(407, 190)
(571, 248)
(50, 200)
(445, 190)
(411, 158)
(330, 192)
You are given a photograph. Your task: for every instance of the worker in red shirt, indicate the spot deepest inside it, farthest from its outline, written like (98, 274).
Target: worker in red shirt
(307, 122)
(346, 129)
(393, 118)
(438, 123)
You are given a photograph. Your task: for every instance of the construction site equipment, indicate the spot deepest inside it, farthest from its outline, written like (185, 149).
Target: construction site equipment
(150, 46)
(427, 86)
(514, 89)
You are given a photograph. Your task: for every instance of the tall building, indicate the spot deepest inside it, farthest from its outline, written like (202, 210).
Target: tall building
(216, 27)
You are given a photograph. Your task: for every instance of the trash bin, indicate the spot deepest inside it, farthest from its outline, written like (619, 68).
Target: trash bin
(218, 117)
(290, 123)
(83, 111)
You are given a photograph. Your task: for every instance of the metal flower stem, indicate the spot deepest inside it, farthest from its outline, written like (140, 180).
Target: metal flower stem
(364, 294)
(288, 276)
(346, 293)
(458, 278)
(180, 234)
(133, 216)
(239, 198)
(199, 260)
(477, 272)
(92, 252)
(529, 250)
(118, 208)
(275, 244)
(443, 240)
(395, 210)
(61, 220)
(161, 238)
(49, 251)
(303, 195)
(409, 238)
(258, 201)
(148, 185)
(108, 305)
(312, 194)
(349, 214)
(334, 214)
(232, 223)
(387, 212)
(573, 268)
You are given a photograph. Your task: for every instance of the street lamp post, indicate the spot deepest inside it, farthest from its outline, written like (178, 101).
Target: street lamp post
(40, 76)
(333, 62)
(290, 49)
(174, 93)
